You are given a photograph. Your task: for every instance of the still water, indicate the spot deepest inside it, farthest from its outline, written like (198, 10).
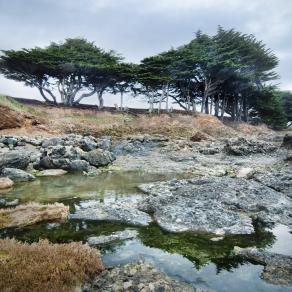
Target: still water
(193, 258)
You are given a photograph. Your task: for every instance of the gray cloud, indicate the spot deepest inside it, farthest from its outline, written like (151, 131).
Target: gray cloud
(139, 28)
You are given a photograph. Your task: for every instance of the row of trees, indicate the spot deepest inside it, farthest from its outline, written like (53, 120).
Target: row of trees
(224, 74)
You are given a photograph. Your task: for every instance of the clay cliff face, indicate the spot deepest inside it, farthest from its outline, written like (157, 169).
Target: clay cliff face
(10, 118)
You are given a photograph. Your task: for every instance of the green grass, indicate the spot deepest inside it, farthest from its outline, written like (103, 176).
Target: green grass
(17, 106)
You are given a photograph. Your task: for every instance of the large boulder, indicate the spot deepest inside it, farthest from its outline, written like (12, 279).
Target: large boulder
(17, 175)
(15, 159)
(99, 157)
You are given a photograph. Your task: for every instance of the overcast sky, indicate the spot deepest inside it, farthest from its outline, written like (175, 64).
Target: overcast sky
(139, 28)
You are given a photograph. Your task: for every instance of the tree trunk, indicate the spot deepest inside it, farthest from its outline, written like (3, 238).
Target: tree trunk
(194, 105)
(217, 106)
(211, 106)
(223, 107)
(122, 100)
(151, 101)
(245, 110)
(207, 106)
(100, 99)
(166, 99)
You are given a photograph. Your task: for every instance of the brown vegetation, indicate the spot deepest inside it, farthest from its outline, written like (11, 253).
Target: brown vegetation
(63, 120)
(46, 267)
(32, 213)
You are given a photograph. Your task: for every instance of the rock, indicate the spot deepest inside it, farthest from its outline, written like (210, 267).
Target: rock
(78, 165)
(278, 268)
(17, 175)
(199, 136)
(104, 143)
(99, 157)
(55, 141)
(29, 214)
(15, 159)
(51, 172)
(88, 143)
(287, 141)
(215, 239)
(135, 277)
(279, 179)
(245, 172)
(121, 209)
(115, 236)
(12, 203)
(5, 183)
(242, 147)
(221, 205)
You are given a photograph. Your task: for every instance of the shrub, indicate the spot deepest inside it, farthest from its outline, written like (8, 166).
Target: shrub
(44, 266)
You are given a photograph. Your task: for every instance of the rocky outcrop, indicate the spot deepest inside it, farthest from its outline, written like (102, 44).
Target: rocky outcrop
(114, 237)
(135, 277)
(278, 268)
(17, 175)
(220, 205)
(15, 159)
(241, 147)
(61, 153)
(121, 209)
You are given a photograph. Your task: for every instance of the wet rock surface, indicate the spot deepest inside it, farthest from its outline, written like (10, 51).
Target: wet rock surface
(216, 204)
(114, 237)
(277, 267)
(120, 209)
(135, 277)
(17, 175)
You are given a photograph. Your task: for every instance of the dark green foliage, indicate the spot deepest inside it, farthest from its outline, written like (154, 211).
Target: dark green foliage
(68, 67)
(286, 100)
(225, 74)
(268, 108)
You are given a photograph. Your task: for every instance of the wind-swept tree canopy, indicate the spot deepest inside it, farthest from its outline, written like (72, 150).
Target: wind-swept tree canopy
(75, 69)
(227, 74)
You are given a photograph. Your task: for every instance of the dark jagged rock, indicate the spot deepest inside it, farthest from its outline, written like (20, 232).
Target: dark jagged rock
(278, 268)
(17, 175)
(99, 157)
(241, 147)
(15, 159)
